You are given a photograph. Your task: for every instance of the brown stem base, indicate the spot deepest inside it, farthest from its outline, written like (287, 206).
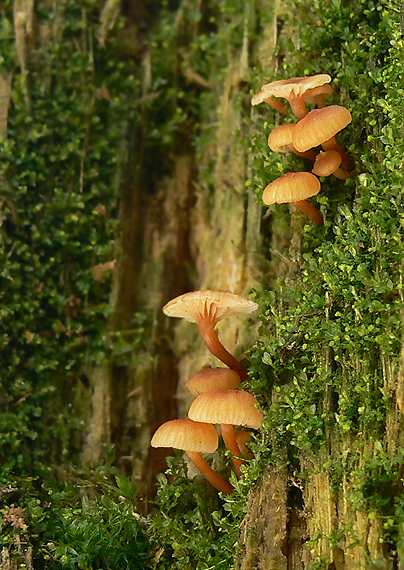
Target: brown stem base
(214, 478)
(314, 214)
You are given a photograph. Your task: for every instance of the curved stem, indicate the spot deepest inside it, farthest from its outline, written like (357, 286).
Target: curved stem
(314, 214)
(230, 441)
(277, 104)
(210, 338)
(298, 107)
(310, 154)
(214, 478)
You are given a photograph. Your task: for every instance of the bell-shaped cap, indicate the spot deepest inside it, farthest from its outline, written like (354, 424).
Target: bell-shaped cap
(281, 137)
(213, 379)
(187, 435)
(235, 407)
(291, 187)
(327, 162)
(319, 126)
(210, 305)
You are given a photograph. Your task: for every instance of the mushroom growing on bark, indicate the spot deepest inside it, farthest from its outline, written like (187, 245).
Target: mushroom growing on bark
(227, 408)
(319, 127)
(213, 379)
(206, 309)
(293, 90)
(295, 188)
(194, 438)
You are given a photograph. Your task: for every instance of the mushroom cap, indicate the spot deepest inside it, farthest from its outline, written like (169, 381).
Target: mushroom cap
(291, 187)
(215, 305)
(320, 125)
(235, 407)
(327, 162)
(290, 88)
(187, 435)
(213, 379)
(281, 137)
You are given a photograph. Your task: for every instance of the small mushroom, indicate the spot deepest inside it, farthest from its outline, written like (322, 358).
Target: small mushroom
(318, 95)
(206, 309)
(213, 379)
(280, 140)
(194, 438)
(293, 90)
(227, 408)
(319, 127)
(295, 188)
(329, 162)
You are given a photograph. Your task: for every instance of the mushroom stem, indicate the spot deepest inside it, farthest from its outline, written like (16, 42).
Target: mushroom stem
(332, 144)
(214, 478)
(298, 106)
(230, 441)
(311, 211)
(210, 338)
(310, 154)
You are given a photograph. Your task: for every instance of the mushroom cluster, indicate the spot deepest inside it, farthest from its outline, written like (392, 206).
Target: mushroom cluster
(313, 129)
(218, 399)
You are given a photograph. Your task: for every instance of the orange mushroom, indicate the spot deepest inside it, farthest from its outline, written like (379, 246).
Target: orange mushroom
(319, 127)
(280, 140)
(295, 188)
(206, 309)
(227, 408)
(194, 438)
(293, 90)
(213, 379)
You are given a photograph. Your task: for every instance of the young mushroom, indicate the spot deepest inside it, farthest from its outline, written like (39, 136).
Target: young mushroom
(319, 127)
(318, 95)
(293, 90)
(194, 438)
(243, 437)
(206, 309)
(213, 379)
(295, 188)
(329, 162)
(227, 408)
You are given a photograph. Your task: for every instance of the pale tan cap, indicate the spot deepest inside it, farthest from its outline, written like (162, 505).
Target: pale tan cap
(187, 435)
(320, 125)
(235, 407)
(290, 88)
(213, 304)
(291, 187)
(213, 379)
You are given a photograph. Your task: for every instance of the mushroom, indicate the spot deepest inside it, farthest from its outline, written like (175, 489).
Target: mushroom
(206, 309)
(318, 95)
(293, 90)
(213, 379)
(227, 408)
(295, 187)
(319, 127)
(194, 438)
(329, 162)
(280, 140)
